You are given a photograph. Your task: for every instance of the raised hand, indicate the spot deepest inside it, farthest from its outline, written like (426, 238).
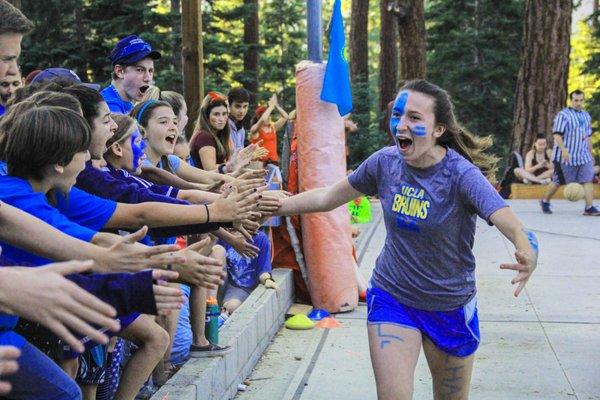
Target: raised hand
(271, 201)
(234, 206)
(126, 255)
(43, 295)
(167, 297)
(243, 246)
(526, 264)
(273, 100)
(200, 270)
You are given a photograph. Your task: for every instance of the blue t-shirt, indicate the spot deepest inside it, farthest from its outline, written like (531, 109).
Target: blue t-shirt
(115, 103)
(427, 261)
(174, 163)
(243, 272)
(18, 193)
(2, 109)
(80, 206)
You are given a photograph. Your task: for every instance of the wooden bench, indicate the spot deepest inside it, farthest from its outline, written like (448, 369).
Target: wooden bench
(522, 191)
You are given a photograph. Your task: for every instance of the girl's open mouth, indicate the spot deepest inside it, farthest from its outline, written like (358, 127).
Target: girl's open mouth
(171, 139)
(404, 143)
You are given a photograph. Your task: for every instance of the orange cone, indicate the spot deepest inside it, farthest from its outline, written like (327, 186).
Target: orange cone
(328, 323)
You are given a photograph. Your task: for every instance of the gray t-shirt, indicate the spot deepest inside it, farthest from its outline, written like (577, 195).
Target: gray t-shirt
(427, 261)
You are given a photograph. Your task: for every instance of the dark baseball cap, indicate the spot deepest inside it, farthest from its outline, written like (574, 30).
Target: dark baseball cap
(132, 49)
(64, 73)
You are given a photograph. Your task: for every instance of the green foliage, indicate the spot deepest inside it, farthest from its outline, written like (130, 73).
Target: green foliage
(222, 35)
(283, 45)
(474, 53)
(584, 72)
(79, 34)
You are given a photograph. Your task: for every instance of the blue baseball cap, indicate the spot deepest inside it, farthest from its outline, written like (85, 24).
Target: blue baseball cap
(132, 49)
(52, 73)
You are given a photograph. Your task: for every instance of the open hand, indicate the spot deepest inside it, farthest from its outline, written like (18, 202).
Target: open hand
(126, 255)
(43, 295)
(167, 297)
(526, 264)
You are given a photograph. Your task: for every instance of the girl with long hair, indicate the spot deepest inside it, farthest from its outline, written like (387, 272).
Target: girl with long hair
(432, 185)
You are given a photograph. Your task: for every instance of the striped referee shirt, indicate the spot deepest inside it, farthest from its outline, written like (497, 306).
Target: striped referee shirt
(575, 127)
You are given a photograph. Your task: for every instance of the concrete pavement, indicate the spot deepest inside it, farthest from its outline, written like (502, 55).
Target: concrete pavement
(543, 345)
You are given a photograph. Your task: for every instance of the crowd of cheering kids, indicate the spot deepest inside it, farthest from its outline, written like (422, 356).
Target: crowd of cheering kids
(130, 226)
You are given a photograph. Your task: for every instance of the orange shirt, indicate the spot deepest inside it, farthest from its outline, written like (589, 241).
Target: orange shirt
(269, 137)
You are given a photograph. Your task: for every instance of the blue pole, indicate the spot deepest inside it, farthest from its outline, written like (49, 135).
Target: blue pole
(315, 30)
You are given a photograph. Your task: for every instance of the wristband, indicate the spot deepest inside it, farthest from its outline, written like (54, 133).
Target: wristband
(207, 213)
(221, 169)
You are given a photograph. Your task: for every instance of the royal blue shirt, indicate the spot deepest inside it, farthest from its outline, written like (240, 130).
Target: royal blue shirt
(81, 207)
(115, 103)
(18, 193)
(2, 109)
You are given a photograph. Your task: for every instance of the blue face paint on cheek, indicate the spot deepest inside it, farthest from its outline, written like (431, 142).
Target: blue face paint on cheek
(419, 130)
(398, 111)
(136, 149)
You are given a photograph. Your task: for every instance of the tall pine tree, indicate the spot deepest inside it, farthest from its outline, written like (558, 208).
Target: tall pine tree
(474, 53)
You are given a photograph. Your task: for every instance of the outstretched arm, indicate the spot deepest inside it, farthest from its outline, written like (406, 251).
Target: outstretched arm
(525, 242)
(319, 200)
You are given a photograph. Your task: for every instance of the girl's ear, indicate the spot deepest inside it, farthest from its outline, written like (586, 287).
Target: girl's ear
(439, 130)
(59, 169)
(116, 149)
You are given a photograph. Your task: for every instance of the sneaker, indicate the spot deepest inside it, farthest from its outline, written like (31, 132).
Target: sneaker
(526, 181)
(545, 207)
(210, 350)
(593, 211)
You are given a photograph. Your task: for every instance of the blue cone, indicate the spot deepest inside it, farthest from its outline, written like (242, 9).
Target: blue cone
(317, 314)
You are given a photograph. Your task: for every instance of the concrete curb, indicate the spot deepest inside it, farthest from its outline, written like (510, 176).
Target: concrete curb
(249, 331)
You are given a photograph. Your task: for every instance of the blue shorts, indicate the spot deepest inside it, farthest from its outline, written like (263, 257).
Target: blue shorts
(455, 332)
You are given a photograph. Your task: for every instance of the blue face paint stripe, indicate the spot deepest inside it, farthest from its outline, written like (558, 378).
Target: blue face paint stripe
(419, 130)
(398, 109)
(136, 149)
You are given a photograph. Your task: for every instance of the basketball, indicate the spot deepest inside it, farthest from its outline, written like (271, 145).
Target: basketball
(574, 191)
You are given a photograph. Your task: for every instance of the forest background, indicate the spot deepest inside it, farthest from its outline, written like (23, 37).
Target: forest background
(501, 60)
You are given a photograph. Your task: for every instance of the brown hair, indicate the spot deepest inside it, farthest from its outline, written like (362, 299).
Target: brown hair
(212, 100)
(142, 113)
(456, 137)
(124, 124)
(43, 136)
(13, 20)
(38, 99)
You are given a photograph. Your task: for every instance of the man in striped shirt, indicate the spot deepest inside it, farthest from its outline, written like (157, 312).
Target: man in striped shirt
(572, 154)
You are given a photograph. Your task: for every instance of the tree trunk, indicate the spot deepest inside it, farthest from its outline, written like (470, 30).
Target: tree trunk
(359, 40)
(193, 58)
(413, 42)
(388, 58)
(176, 58)
(251, 41)
(542, 80)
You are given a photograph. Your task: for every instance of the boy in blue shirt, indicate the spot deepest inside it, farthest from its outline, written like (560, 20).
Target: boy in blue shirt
(133, 69)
